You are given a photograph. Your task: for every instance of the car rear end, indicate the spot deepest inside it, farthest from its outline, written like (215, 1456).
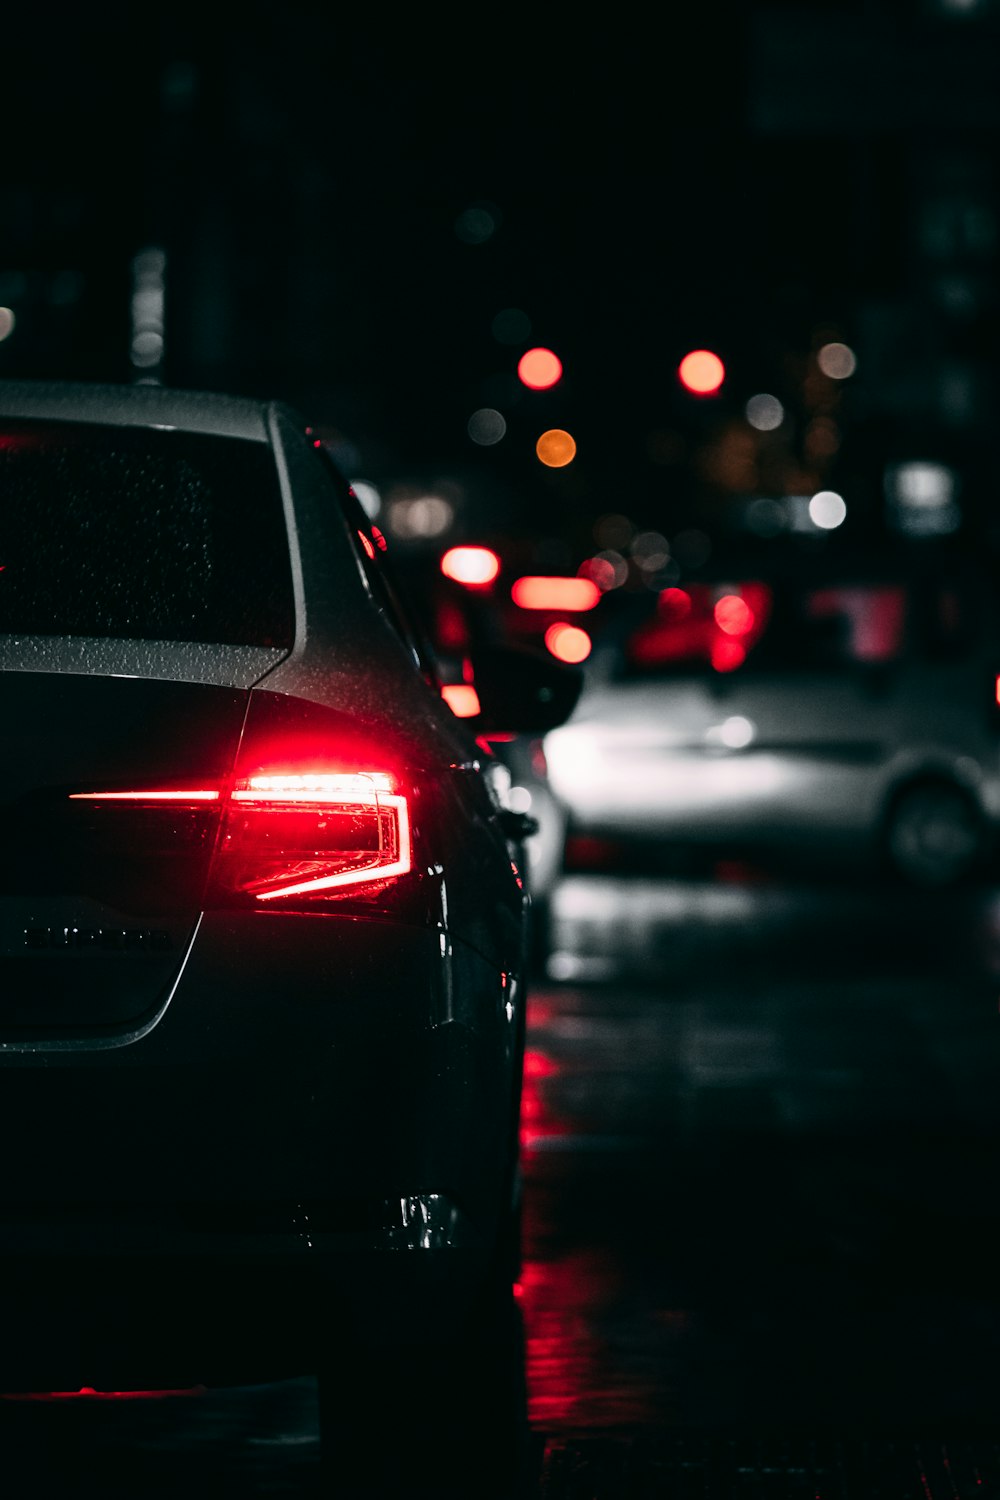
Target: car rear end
(247, 1052)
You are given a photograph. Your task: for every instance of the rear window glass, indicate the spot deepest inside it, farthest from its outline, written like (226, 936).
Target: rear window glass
(142, 533)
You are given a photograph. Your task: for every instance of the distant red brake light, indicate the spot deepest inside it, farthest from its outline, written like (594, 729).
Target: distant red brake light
(539, 592)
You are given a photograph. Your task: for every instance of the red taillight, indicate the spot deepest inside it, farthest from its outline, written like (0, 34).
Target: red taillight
(313, 833)
(284, 833)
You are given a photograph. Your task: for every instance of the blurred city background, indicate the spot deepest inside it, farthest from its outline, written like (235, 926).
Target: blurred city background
(376, 223)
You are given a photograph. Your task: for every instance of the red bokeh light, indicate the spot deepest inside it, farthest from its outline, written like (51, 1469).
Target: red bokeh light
(701, 372)
(733, 615)
(461, 698)
(728, 654)
(539, 369)
(537, 592)
(473, 566)
(676, 603)
(568, 642)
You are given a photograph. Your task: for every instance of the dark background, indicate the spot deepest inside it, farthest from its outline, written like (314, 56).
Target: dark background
(345, 202)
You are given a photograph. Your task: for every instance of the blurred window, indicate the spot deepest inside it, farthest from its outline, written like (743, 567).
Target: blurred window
(141, 533)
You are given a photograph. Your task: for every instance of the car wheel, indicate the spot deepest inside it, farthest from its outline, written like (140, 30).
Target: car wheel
(935, 835)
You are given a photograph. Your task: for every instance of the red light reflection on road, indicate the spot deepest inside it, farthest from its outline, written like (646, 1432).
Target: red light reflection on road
(571, 1297)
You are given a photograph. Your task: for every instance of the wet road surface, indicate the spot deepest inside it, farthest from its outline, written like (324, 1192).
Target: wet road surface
(761, 1226)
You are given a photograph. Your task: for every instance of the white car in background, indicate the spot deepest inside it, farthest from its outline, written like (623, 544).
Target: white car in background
(828, 715)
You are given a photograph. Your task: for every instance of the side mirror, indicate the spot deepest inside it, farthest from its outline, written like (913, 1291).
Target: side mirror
(523, 691)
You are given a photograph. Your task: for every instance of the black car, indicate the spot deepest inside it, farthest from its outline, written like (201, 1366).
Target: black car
(262, 924)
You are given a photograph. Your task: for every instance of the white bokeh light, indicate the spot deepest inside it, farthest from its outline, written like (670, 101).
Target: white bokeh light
(765, 412)
(837, 361)
(368, 495)
(827, 510)
(486, 426)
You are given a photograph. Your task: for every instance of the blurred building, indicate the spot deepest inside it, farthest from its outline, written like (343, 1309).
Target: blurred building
(875, 130)
(367, 227)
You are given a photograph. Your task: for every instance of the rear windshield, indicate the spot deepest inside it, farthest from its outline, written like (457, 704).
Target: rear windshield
(141, 533)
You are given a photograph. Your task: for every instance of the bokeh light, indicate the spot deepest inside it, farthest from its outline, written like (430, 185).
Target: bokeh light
(568, 642)
(421, 516)
(556, 448)
(462, 699)
(477, 224)
(733, 615)
(765, 412)
(827, 510)
(539, 592)
(701, 372)
(766, 517)
(837, 361)
(7, 322)
(675, 603)
(368, 497)
(650, 550)
(728, 654)
(486, 426)
(539, 369)
(608, 570)
(473, 566)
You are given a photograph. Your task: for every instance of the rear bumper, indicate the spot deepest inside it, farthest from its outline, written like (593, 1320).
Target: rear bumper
(133, 1322)
(299, 1127)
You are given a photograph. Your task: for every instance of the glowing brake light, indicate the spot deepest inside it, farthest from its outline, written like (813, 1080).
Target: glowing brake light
(293, 833)
(196, 796)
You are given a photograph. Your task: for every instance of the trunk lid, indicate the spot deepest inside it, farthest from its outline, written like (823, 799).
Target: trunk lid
(100, 896)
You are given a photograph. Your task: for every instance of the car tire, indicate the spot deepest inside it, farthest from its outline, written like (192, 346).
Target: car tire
(935, 835)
